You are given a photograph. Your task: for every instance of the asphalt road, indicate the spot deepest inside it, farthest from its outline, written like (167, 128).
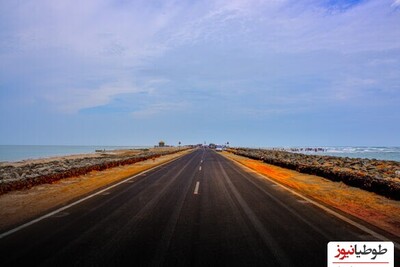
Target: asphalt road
(199, 210)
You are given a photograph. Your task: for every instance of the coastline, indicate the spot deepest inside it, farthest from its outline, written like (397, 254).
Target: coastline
(38, 194)
(391, 153)
(20, 206)
(378, 176)
(15, 153)
(28, 173)
(369, 207)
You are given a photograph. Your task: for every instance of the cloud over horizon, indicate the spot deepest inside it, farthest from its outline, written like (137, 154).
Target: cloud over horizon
(237, 62)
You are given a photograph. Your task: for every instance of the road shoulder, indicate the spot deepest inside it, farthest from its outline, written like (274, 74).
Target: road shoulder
(370, 207)
(20, 206)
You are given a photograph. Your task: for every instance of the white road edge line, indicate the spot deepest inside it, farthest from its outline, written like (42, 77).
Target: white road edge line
(196, 188)
(326, 209)
(79, 201)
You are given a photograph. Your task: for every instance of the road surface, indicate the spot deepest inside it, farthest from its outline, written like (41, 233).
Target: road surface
(199, 210)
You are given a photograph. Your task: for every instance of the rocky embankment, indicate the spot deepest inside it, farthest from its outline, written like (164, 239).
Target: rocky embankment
(379, 176)
(25, 174)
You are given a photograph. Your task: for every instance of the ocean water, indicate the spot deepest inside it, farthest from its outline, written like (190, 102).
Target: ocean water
(21, 152)
(381, 153)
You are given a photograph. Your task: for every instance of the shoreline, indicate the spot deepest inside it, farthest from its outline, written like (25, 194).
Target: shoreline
(20, 206)
(378, 176)
(374, 209)
(17, 153)
(28, 173)
(390, 153)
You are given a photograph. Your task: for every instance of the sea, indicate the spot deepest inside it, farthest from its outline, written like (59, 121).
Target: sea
(12, 153)
(381, 153)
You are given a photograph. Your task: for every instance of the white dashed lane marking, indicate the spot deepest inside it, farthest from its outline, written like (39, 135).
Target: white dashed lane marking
(196, 189)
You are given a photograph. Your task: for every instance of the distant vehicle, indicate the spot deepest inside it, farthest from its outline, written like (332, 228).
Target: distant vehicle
(219, 148)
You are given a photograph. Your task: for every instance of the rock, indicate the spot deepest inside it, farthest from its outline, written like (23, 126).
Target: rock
(27, 174)
(372, 175)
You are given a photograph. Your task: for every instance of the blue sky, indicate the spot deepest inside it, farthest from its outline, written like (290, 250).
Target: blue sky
(251, 72)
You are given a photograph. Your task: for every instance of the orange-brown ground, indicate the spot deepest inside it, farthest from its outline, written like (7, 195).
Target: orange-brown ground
(370, 207)
(19, 206)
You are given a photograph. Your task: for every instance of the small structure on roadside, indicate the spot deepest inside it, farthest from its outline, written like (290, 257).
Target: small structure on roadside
(161, 144)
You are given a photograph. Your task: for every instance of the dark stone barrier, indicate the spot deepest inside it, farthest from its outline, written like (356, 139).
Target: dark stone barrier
(378, 176)
(53, 172)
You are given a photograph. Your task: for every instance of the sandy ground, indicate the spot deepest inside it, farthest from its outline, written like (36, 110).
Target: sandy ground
(370, 207)
(18, 207)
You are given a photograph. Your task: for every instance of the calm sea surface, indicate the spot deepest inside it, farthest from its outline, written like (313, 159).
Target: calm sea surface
(15, 153)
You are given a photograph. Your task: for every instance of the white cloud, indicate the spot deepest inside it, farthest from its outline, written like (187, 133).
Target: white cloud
(73, 100)
(396, 3)
(354, 89)
(290, 26)
(112, 39)
(135, 31)
(159, 108)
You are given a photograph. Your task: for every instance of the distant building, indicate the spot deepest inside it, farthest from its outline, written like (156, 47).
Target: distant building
(212, 146)
(161, 144)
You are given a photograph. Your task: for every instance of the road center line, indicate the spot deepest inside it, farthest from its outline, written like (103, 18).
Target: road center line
(196, 188)
(200, 168)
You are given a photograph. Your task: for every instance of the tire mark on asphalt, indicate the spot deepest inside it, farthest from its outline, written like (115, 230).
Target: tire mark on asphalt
(268, 239)
(169, 230)
(113, 234)
(283, 205)
(251, 240)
